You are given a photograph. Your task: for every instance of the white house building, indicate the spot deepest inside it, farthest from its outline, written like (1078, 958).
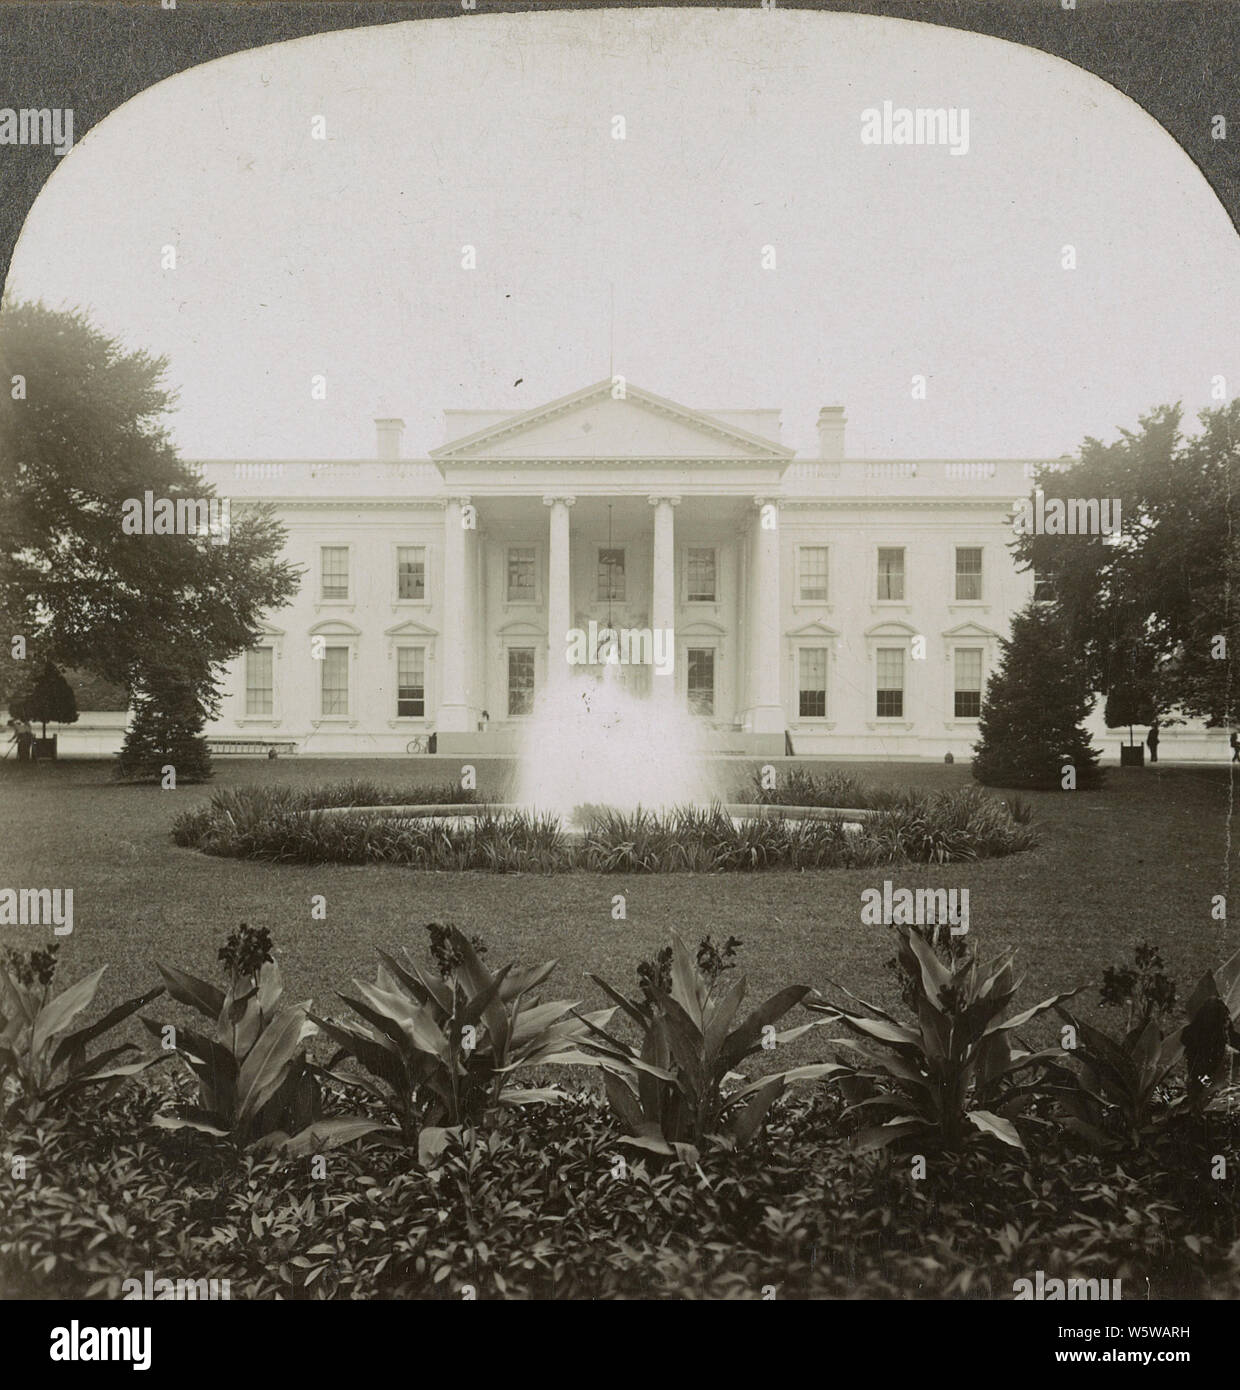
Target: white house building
(853, 605)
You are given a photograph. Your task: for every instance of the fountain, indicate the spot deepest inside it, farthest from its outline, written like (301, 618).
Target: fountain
(593, 744)
(592, 741)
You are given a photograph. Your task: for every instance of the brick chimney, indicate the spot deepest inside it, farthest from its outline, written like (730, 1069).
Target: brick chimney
(387, 438)
(831, 432)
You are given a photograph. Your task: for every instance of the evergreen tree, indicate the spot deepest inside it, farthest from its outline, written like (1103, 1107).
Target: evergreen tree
(1031, 715)
(165, 731)
(49, 700)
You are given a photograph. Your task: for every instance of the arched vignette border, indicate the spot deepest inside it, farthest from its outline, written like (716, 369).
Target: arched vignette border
(1178, 59)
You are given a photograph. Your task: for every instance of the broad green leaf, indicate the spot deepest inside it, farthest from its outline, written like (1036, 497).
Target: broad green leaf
(268, 1062)
(935, 977)
(330, 1134)
(197, 994)
(746, 1120)
(745, 1038)
(78, 1039)
(58, 1013)
(990, 1123)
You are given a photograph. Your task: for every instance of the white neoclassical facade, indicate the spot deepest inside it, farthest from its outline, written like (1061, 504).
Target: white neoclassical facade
(853, 606)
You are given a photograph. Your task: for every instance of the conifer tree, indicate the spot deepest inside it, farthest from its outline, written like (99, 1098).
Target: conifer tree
(165, 731)
(1031, 715)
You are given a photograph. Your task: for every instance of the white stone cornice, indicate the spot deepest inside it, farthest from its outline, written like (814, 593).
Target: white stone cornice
(336, 503)
(872, 503)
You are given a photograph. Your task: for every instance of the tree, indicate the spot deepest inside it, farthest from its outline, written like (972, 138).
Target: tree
(1132, 685)
(49, 700)
(1031, 715)
(1165, 583)
(165, 731)
(86, 436)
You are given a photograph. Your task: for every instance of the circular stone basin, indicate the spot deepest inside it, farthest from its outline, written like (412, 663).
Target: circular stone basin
(458, 816)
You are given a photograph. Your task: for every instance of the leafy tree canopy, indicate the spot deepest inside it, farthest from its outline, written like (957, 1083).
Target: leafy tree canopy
(82, 434)
(1164, 585)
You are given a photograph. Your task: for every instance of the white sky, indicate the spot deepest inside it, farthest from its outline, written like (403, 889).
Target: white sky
(298, 256)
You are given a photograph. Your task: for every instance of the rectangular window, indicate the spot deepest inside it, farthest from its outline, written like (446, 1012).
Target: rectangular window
(700, 564)
(411, 571)
(520, 680)
(813, 682)
(258, 681)
(968, 704)
(968, 573)
(410, 682)
(890, 662)
(891, 572)
(1043, 588)
(335, 680)
(335, 570)
(813, 575)
(700, 678)
(610, 574)
(521, 573)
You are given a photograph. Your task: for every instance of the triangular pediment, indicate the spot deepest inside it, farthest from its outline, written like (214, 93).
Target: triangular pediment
(817, 628)
(410, 629)
(592, 423)
(967, 630)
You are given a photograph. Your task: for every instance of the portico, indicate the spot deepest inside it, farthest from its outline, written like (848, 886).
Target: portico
(624, 540)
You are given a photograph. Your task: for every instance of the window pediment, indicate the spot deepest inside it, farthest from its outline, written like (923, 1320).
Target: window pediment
(411, 629)
(893, 628)
(970, 630)
(814, 629)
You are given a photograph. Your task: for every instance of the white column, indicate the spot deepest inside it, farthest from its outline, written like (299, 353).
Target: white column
(663, 588)
(456, 640)
(765, 640)
(559, 588)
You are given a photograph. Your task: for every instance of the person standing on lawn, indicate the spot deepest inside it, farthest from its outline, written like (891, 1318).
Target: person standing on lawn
(1235, 747)
(1152, 739)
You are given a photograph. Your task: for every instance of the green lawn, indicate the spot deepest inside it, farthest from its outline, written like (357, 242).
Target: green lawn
(1139, 860)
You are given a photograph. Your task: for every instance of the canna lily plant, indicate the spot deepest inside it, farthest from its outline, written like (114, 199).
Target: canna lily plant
(930, 1080)
(1119, 1095)
(439, 1048)
(677, 1086)
(41, 1063)
(255, 1086)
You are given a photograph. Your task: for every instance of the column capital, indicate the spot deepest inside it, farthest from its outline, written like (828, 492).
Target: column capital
(457, 500)
(550, 499)
(767, 502)
(654, 500)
